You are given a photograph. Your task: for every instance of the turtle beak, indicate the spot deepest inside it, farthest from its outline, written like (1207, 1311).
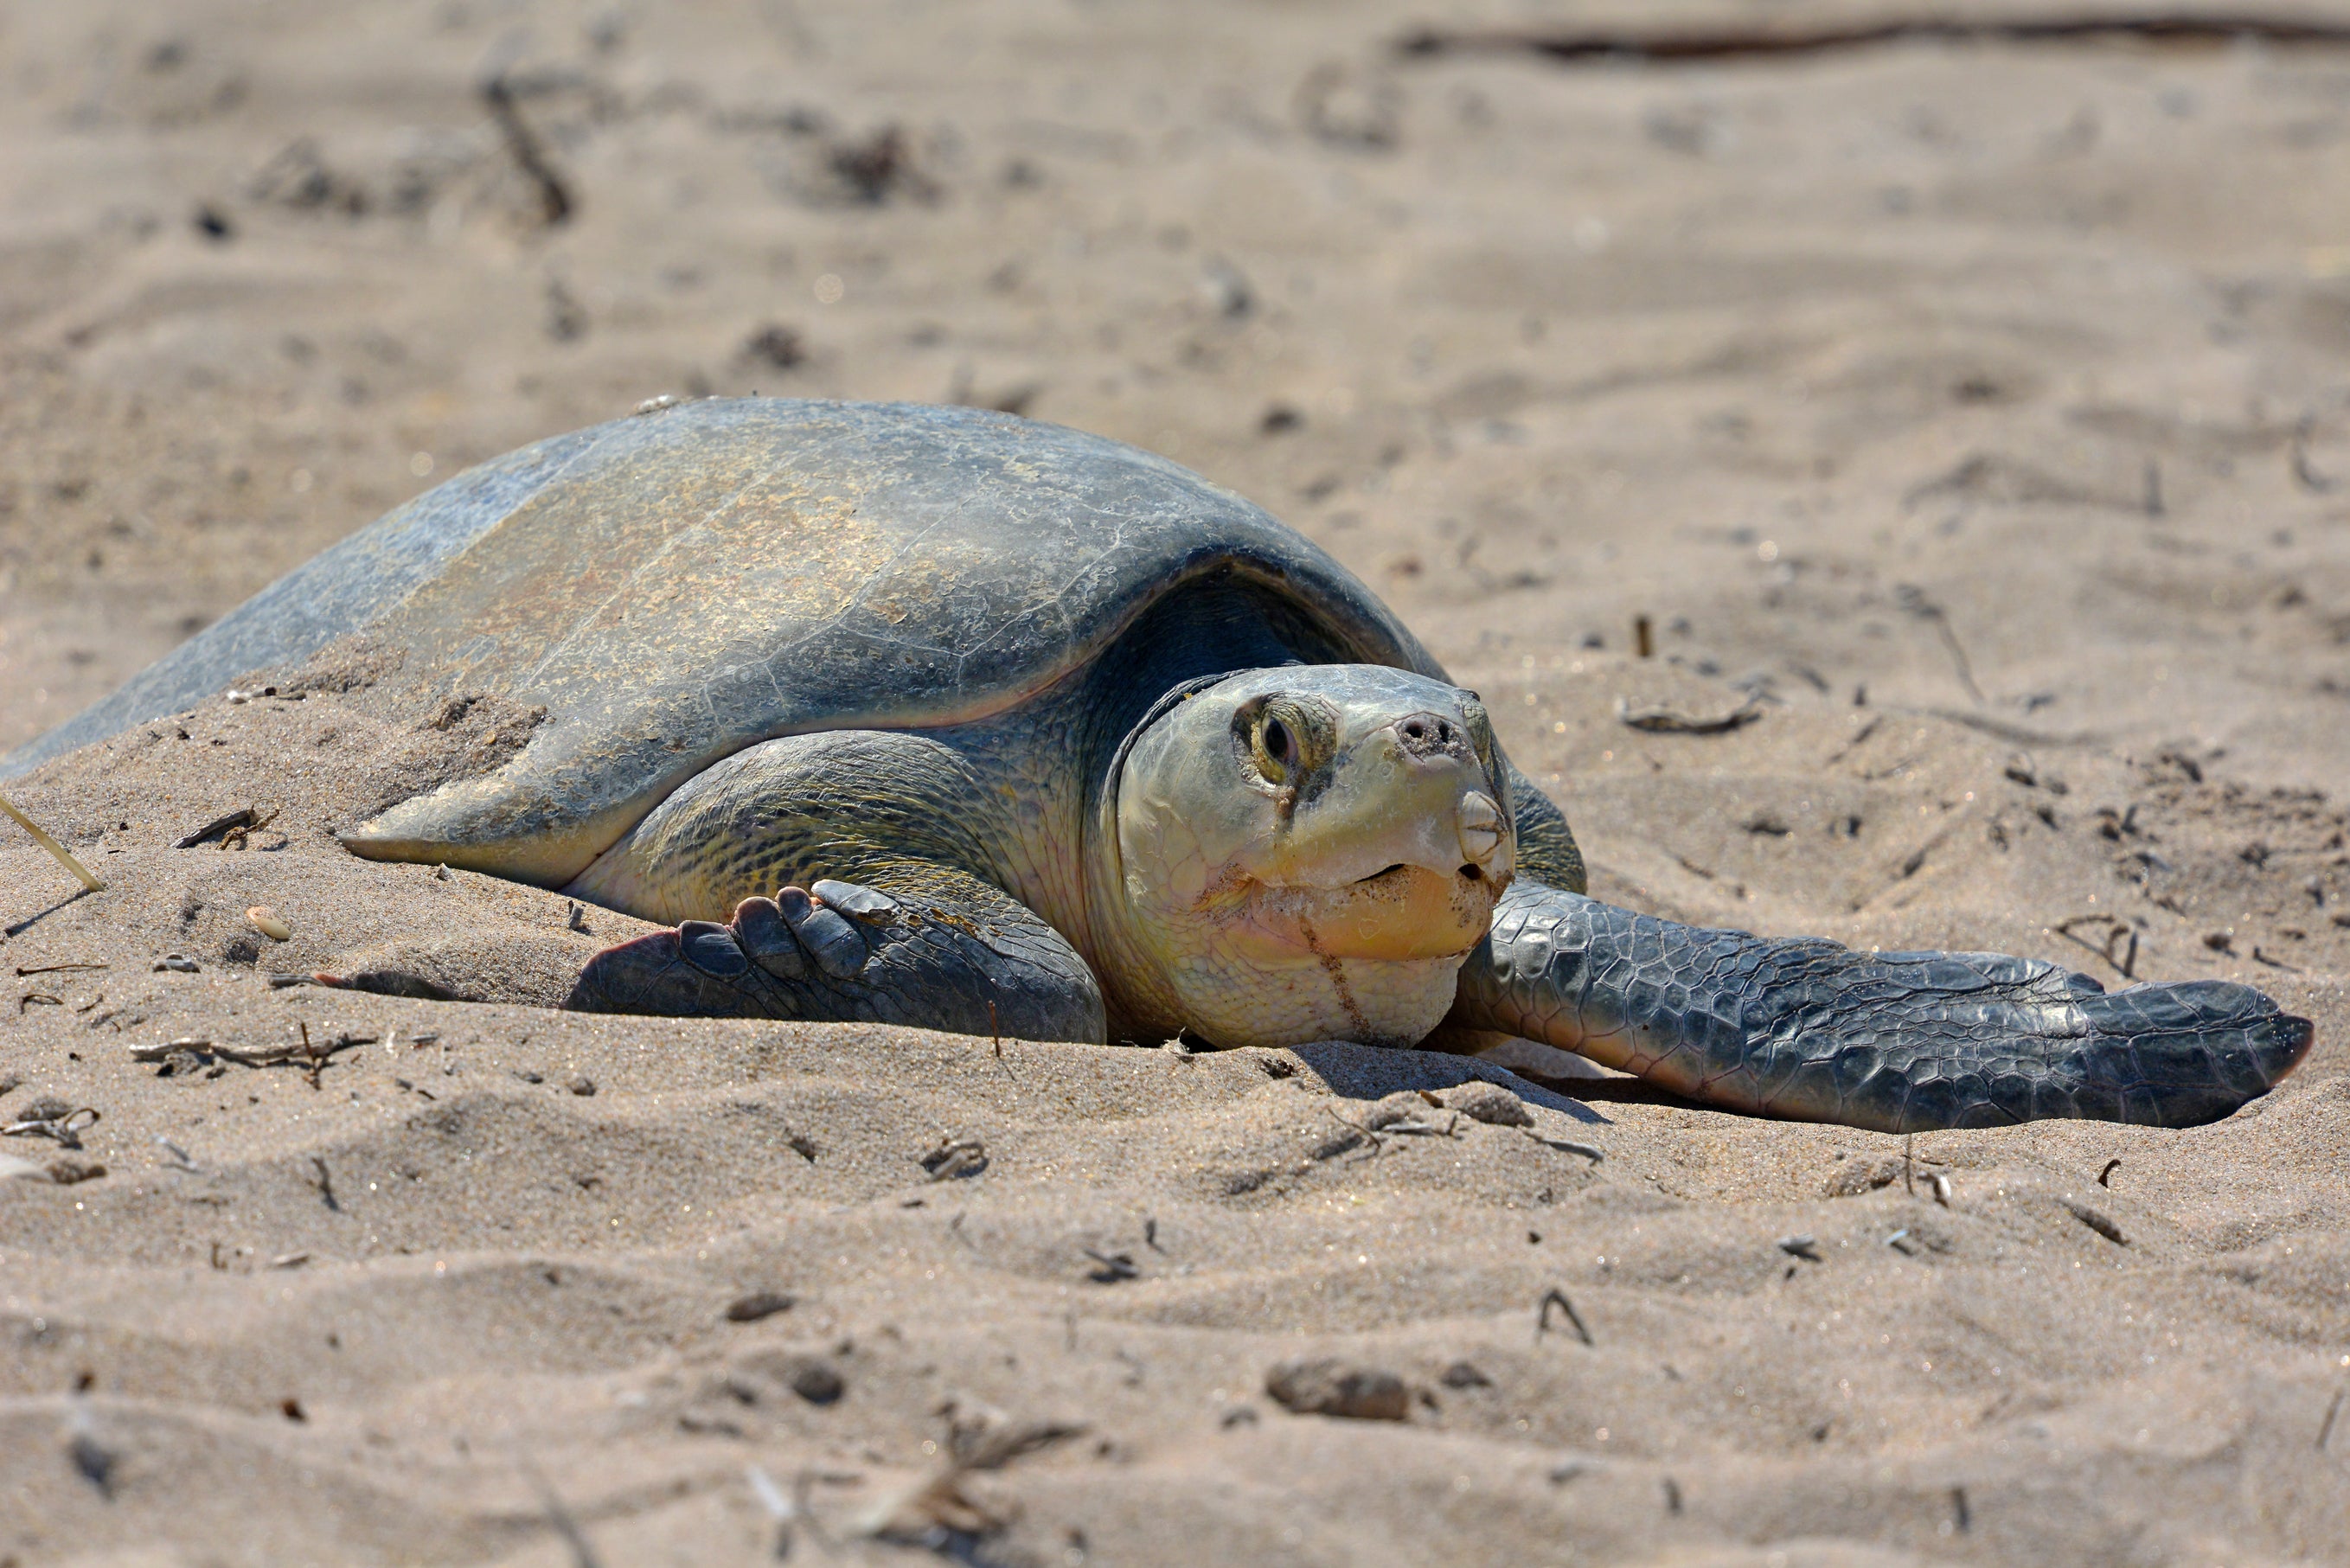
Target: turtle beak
(1486, 842)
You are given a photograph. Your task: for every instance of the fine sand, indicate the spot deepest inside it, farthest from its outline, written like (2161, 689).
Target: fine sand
(1975, 411)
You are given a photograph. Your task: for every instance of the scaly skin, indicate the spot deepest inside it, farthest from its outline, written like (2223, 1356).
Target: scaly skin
(1895, 1041)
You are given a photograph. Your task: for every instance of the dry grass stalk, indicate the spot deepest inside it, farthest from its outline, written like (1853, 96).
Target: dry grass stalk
(88, 879)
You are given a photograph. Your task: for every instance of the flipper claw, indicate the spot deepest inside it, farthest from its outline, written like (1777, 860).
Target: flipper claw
(867, 904)
(711, 949)
(759, 926)
(828, 936)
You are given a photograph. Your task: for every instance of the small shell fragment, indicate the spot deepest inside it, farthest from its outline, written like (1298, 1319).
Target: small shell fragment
(266, 921)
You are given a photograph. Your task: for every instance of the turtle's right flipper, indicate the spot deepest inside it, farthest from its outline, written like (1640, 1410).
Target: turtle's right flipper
(1894, 1041)
(956, 955)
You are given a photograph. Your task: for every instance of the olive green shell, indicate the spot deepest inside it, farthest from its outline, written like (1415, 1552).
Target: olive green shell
(675, 586)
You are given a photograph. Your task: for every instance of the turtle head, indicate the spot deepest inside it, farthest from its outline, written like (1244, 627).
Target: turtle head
(1310, 852)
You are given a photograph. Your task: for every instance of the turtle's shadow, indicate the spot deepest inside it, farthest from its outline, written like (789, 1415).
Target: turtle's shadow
(1369, 1073)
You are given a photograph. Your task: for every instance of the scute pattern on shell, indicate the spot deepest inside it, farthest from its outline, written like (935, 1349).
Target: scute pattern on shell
(675, 587)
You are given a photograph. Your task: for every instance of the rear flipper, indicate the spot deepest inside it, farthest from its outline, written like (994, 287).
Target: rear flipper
(1895, 1041)
(946, 951)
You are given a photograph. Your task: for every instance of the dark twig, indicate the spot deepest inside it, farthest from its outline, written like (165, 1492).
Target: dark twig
(1918, 602)
(306, 1056)
(1682, 45)
(2117, 930)
(1568, 1146)
(2105, 1177)
(997, 1032)
(324, 1182)
(523, 146)
(1363, 1134)
(215, 828)
(2096, 1220)
(54, 968)
(1111, 1267)
(1558, 1298)
(2325, 1427)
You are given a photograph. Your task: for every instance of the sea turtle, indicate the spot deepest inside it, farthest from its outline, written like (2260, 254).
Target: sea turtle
(941, 717)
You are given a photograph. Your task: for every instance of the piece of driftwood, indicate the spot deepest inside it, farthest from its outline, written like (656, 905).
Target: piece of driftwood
(1672, 44)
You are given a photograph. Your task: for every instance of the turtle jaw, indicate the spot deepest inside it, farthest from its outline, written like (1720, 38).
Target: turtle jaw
(1402, 912)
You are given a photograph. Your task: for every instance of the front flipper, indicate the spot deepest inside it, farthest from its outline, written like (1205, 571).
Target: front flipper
(956, 955)
(1895, 1041)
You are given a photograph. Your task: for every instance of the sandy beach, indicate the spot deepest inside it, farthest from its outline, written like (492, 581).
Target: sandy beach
(1973, 409)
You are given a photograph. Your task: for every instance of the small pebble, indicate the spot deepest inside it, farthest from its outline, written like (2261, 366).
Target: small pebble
(817, 1382)
(1491, 1103)
(759, 1304)
(583, 1085)
(66, 1169)
(1328, 1386)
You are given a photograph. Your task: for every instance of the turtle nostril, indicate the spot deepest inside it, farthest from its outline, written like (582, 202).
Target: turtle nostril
(1414, 729)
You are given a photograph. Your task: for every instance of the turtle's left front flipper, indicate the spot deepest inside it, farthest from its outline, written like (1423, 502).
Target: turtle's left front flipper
(1894, 1041)
(936, 949)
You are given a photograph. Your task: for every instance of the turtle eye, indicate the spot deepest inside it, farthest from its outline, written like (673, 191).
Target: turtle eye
(1276, 750)
(1282, 741)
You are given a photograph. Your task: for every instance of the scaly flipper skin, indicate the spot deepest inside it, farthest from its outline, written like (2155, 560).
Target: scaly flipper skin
(1898, 1042)
(956, 955)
